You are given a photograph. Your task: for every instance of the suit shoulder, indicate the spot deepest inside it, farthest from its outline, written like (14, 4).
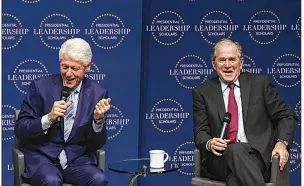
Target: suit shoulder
(45, 80)
(204, 85)
(96, 86)
(255, 77)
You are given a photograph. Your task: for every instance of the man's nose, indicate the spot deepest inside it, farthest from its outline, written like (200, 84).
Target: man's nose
(227, 63)
(69, 72)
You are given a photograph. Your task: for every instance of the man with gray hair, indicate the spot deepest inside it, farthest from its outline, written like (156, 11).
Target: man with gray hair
(261, 124)
(59, 137)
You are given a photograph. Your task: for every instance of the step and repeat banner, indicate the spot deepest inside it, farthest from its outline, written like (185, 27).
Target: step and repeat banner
(178, 36)
(32, 33)
(149, 54)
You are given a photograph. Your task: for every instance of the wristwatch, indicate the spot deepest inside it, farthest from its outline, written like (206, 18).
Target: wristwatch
(99, 121)
(283, 141)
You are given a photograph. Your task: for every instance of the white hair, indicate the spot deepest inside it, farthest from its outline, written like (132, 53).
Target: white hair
(78, 49)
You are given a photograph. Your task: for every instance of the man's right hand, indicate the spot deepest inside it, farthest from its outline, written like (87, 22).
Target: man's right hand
(216, 145)
(58, 110)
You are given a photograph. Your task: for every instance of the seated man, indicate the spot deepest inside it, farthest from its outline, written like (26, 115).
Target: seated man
(59, 137)
(261, 125)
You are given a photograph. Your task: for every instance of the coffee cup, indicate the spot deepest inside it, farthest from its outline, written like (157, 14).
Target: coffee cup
(158, 158)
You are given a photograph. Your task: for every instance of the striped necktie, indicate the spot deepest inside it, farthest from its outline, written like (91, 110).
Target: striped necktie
(70, 115)
(68, 125)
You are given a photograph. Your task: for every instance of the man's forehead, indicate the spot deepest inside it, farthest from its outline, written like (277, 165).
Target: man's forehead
(71, 63)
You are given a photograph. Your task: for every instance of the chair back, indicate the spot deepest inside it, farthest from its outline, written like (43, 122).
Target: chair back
(16, 118)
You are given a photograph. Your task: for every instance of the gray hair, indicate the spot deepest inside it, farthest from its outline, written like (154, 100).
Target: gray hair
(78, 49)
(226, 41)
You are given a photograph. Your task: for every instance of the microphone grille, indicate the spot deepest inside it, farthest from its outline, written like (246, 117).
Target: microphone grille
(65, 91)
(227, 117)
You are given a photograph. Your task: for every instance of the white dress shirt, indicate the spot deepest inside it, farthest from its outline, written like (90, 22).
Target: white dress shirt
(241, 136)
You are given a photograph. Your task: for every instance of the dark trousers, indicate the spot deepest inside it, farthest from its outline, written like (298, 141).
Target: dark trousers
(53, 175)
(240, 165)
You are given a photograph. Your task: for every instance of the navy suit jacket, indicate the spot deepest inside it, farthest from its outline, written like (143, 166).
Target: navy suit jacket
(42, 148)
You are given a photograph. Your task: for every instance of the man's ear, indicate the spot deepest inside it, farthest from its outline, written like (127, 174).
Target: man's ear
(88, 67)
(242, 62)
(214, 65)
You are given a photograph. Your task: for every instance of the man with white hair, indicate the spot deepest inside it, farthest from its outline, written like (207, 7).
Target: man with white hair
(59, 138)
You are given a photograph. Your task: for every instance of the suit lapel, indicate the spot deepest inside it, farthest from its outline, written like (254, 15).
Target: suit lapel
(245, 86)
(82, 106)
(217, 96)
(56, 86)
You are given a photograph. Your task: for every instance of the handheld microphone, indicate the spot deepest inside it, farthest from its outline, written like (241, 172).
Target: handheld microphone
(64, 96)
(226, 121)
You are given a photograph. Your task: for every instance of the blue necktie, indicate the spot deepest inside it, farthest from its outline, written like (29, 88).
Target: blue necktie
(68, 125)
(69, 116)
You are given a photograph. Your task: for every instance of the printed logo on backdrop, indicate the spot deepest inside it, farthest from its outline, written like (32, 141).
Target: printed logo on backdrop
(83, 1)
(264, 27)
(168, 28)
(190, 71)
(295, 157)
(107, 31)
(8, 122)
(184, 156)
(250, 66)
(216, 25)
(286, 70)
(12, 31)
(55, 29)
(95, 74)
(298, 114)
(167, 115)
(31, 1)
(27, 71)
(297, 27)
(115, 122)
(10, 167)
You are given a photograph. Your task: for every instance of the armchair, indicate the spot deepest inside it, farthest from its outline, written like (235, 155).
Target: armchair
(18, 161)
(278, 178)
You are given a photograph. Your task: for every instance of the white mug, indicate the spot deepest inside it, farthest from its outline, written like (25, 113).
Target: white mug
(157, 158)
(157, 169)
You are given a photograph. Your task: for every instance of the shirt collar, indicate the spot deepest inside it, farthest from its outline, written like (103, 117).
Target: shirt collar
(225, 86)
(77, 88)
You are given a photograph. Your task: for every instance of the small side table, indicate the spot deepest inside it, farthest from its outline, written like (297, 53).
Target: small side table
(140, 167)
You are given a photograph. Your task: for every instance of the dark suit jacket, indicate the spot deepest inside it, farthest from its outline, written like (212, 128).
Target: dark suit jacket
(40, 148)
(266, 116)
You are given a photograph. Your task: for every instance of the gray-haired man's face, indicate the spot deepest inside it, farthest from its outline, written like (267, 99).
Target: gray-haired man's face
(72, 71)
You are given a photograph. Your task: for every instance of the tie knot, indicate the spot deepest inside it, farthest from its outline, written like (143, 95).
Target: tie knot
(231, 86)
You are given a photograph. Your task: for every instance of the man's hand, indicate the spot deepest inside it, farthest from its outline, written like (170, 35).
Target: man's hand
(101, 108)
(281, 149)
(58, 110)
(217, 144)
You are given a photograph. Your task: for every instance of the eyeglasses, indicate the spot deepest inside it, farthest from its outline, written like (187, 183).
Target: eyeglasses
(230, 60)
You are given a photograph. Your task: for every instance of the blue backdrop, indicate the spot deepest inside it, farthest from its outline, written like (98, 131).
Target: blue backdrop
(149, 55)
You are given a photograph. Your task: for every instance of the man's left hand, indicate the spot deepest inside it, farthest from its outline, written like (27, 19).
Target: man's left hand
(101, 108)
(281, 149)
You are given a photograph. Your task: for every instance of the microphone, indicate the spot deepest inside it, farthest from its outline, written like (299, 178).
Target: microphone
(226, 121)
(64, 96)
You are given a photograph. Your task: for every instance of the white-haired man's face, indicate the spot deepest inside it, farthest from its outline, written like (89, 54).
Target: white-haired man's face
(72, 71)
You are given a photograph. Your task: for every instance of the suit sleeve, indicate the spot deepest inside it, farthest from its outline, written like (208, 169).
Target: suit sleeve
(280, 113)
(201, 127)
(28, 125)
(97, 139)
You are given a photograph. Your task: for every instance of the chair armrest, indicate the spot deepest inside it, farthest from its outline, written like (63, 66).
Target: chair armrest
(101, 158)
(197, 163)
(279, 178)
(18, 163)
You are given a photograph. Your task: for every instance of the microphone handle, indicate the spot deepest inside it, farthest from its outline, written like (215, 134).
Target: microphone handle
(58, 120)
(225, 124)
